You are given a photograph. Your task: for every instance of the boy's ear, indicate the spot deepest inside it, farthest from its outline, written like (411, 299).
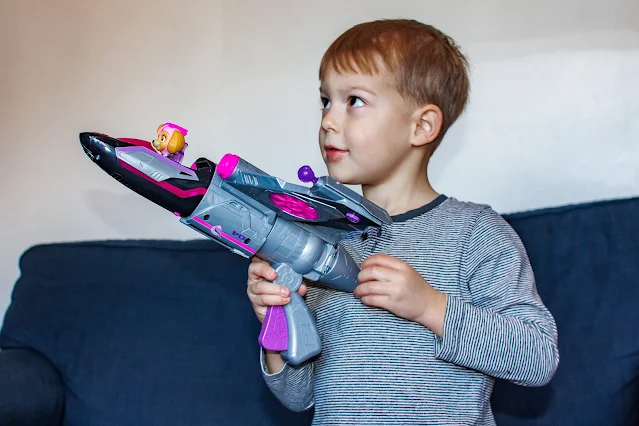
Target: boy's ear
(427, 123)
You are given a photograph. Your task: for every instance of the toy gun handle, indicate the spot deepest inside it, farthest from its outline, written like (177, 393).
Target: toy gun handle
(290, 329)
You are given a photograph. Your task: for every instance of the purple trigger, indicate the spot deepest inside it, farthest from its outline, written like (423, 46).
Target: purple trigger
(274, 334)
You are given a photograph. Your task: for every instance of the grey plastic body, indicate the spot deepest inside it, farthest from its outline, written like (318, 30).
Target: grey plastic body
(237, 211)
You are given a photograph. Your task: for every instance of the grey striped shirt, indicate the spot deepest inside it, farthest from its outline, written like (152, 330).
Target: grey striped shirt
(378, 369)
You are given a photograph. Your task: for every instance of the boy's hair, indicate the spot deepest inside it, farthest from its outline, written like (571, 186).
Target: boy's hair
(427, 65)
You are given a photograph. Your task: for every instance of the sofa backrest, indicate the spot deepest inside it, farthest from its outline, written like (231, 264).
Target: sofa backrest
(586, 264)
(162, 333)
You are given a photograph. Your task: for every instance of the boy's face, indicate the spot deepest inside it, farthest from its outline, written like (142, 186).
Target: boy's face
(366, 128)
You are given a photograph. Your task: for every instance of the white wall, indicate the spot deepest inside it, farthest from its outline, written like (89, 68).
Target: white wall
(553, 117)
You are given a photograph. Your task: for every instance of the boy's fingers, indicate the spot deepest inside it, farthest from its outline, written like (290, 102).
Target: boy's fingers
(377, 301)
(265, 300)
(265, 287)
(374, 273)
(302, 290)
(257, 271)
(382, 260)
(269, 300)
(371, 288)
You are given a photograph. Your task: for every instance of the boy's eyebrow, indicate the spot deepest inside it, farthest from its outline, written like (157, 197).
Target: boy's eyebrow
(322, 89)
(362, 88)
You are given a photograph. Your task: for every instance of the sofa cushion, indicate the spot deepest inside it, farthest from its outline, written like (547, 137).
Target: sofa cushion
(31, 391)
(145, 333)
(586, 264)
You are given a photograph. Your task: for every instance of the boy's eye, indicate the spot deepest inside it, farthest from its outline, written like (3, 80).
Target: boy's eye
(325, 102)
(356, 102)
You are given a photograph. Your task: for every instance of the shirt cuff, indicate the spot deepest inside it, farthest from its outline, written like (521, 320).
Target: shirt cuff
(447, 346)
(265, 371)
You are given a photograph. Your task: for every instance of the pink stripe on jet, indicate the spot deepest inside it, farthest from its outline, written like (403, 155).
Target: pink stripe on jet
(137, 142)
(173, 189)
(223, 234)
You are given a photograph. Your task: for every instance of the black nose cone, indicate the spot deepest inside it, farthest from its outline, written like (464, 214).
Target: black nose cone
(98, 146)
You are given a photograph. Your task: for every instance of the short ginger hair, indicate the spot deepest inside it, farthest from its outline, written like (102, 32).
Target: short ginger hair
(426, 64)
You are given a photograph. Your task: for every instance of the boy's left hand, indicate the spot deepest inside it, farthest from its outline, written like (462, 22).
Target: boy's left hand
(390, 283)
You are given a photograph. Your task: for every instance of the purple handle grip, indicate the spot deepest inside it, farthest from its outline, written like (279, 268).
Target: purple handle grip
(274, 333)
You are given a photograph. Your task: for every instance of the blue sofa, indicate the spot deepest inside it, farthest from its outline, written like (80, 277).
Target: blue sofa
(161, 332)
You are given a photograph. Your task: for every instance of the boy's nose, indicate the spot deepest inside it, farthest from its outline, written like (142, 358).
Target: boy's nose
(329, 123)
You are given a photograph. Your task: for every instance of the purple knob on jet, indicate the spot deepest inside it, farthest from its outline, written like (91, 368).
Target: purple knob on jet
(306, 174)
(353, 217)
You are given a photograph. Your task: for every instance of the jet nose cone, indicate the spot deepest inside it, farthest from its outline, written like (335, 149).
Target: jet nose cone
(96, 145)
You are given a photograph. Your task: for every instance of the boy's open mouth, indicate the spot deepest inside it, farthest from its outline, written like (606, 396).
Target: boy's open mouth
(332, 149)
(334, 154)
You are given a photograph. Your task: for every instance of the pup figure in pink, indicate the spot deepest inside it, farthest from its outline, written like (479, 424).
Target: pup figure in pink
(170, 141)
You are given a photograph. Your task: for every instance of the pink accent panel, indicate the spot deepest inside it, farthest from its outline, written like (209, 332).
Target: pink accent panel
(174, 127)
(137, 142)
(274, 334)
(218, 231)
(227, 165)
(174, 190)
(294, 206)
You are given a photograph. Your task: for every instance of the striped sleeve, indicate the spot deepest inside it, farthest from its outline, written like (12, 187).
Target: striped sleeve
(505, 330)
(292, 386)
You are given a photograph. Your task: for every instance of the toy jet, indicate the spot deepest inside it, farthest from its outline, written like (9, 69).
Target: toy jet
(295, 228)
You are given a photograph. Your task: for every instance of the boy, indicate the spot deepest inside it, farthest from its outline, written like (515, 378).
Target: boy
(447, 300)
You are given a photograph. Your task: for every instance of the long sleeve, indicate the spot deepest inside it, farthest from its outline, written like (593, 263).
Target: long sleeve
(292, 386)
(504, 330)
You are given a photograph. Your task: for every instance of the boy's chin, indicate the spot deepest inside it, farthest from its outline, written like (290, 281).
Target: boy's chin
(344, 177)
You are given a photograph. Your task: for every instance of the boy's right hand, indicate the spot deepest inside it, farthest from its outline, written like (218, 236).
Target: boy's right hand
(262, 292)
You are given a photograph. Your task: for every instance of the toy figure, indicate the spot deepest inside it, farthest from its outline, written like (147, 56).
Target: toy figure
(171, 142)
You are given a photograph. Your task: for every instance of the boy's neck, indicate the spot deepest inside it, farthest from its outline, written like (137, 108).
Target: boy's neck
(399, 196)
(405, 190)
